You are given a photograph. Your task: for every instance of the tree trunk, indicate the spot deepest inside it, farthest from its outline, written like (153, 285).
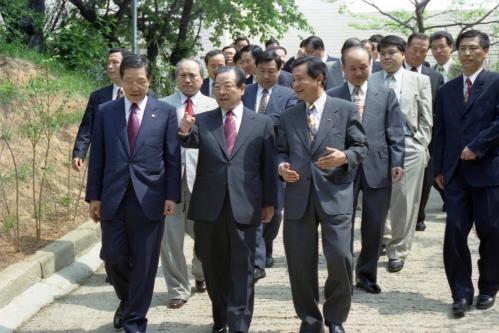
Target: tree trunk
(34, 29)
(181, 50)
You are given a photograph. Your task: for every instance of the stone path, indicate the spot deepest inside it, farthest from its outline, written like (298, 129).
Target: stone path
(414, 300)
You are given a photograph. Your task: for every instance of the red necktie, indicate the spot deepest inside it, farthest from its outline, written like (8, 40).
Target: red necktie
(230, 131)
(188, 107)
(414, 69)
(469, 85)
(133, 126)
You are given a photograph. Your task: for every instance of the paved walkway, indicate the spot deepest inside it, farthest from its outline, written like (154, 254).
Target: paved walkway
(413, 300)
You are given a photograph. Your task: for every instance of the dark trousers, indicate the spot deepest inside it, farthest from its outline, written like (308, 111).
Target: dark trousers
(267, 232)
(467, 205)
(130, 250)
(227, 252)
(428, 182)
(375, 205)
(301, 247)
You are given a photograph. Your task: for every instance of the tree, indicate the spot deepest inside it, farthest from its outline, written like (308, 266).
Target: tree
(461, 14)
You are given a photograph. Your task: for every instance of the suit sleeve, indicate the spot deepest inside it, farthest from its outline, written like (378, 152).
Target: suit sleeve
(84, 135)
(172, 158)
(395, 131)
(355, 139)
(191, 140)
(97, 161)
(282, 142)
(425, 116)
(438, 144)
(269, 166)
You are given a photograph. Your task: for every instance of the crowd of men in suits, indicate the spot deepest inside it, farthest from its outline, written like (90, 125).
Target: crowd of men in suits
(260, 138)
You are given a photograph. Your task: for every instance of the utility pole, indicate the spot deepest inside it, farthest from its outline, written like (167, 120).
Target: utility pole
(134, 26)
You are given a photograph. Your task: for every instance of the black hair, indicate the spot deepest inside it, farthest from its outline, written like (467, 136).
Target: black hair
(124, 52)
(315, 67)
(229, 47)
(314, 42)
(254, 50)
(442, 34)
(280, 48)
(392, 40)
(211, 54)
(240, 38)
(376, 38)
(271, 41)
(355, 47)
(416, 35)
(482, 36)
(268, 56)
(237, 57)
(240, 77)
(135, 61)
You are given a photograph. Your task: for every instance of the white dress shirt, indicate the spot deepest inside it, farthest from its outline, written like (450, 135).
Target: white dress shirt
(115, 90)
(140, 112)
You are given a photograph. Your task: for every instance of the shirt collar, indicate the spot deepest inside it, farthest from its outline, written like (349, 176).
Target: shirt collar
(237, 111)
(447, 65)
(473, 76)
(319, 103)
(142, 104)
(363, 88)
(324, 59)
(193, 98)
(261, 89)
(115, 90)
(408, 67)
(397, 75)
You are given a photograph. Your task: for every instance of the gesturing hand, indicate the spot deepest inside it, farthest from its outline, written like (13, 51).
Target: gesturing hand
(289, 176)
(332, 158)
(186, 123)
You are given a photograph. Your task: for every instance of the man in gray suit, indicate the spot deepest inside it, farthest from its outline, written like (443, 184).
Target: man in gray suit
(379, 112)
(186, 99)
(335, 76)
(320, 142)
(413, 91)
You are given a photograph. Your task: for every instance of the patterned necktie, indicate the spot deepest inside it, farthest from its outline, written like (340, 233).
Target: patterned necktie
(188, 107)
(133, 126)
(390, 81)
(358, 101)
(230, 131)
(467, 94)
(263, 101)
(311, 122)
(212, 90)
(441, 69)
(119, 93)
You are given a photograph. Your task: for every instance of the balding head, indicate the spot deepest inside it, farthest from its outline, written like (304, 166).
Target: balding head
(357, 65)
(189, 76)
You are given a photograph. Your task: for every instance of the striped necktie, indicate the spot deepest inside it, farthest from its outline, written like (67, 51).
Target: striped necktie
(358, 101)
(312, 130)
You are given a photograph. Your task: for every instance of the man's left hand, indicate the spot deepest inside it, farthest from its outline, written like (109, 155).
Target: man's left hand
(467, 154)
(267, 213)
(332, 158)
(169, 208)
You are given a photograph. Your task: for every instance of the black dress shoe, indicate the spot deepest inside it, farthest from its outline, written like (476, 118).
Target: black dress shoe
(484, 302)
(176, 303)
(216, 329)
(336, 328)
(395, 265)
(118, 317)
(269, 262)
(420, 226)
(368, 286)
(460, 306)
(200, 286)
(259, 273)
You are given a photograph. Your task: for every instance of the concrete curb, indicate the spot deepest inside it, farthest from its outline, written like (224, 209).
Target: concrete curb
(17, 278)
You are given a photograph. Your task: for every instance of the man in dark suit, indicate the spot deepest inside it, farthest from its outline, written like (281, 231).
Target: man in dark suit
(466, 162)
(214, 59)
(379, 112)
(418, 45)
(320, 143)
(234, 191)
(248, 65)
(102, 95)
(268, 98)
(133, 181)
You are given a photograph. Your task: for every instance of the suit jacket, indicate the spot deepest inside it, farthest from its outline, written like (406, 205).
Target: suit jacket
(436, 81)
(339, 128)
(415, 103)
(376, 67)
(334, 75)
(153, 169)
(285, 79)
(190, 156)
(281, 99)
(205, 88)
(82, 141)
(248, 176)
(474, 124)
(384, 126)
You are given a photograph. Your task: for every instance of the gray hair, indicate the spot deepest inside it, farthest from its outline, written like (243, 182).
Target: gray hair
(180, 63)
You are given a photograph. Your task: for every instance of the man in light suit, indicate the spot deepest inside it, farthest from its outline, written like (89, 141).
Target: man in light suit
(133, 181)
(466, 154)
(268, 98)
(187, 98)
(379, 111)
(213, 60)
(320, 143)
(413, 91)
(442, 45)
(418, 45)
(234, 191)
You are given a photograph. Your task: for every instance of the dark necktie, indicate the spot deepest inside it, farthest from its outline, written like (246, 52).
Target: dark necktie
(358, 101)
(312, 131)
(230, 131)
(119, 93)
(414, 69)
(133, 126)
(263, 101)
(188, 107)
(212, 89)
(467, 94)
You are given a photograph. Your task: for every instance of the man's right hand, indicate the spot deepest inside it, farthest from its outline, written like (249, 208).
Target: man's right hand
(439, 179)
(289, 175)
(94, 210)
(186, 123)
(77, 163)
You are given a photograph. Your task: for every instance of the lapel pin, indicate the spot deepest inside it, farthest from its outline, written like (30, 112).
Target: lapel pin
(153, 115)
